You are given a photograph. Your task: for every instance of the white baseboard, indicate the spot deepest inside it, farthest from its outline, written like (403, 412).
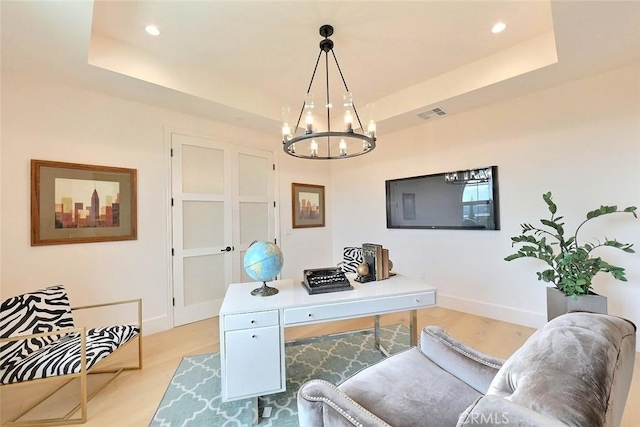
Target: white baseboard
(498, 312)
(155, 324)
(492, 311)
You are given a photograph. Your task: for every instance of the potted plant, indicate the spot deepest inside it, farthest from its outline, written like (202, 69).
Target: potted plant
(572, 263)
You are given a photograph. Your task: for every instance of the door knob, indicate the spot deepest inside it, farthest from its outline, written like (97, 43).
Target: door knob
(227, 249)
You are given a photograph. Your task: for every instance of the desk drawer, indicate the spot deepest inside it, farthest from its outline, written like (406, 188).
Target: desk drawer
(257, 319)
(358, 308)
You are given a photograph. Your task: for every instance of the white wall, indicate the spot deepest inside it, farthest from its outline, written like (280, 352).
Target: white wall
(580, 140)
(51, 122)
(304, 247)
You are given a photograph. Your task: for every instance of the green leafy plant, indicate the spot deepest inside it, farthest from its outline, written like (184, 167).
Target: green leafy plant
(573, 265)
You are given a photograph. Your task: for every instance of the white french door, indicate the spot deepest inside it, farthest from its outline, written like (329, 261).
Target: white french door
(253, 203)
(223, 200)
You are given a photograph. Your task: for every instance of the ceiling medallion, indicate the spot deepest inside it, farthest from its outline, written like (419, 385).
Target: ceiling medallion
(330, 144)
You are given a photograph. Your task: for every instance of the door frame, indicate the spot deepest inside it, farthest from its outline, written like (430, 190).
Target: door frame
(168, 130)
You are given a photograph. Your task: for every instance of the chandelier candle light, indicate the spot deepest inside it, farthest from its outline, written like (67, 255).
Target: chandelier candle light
(327, 145)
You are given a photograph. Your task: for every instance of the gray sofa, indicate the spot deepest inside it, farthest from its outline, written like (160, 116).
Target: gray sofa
(574, 371)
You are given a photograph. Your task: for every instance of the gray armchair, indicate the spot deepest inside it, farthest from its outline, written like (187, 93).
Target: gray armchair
(574, 371)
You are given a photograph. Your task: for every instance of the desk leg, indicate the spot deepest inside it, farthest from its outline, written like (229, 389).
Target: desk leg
(254, 412)
(413, 328)
(376, 335)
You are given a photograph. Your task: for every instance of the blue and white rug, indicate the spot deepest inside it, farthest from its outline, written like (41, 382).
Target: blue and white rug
(193, 396)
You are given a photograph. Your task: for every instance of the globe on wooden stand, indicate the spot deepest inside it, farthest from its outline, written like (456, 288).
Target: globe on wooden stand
(263, 262)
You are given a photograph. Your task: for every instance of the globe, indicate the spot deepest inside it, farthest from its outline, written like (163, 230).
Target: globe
(263, 262)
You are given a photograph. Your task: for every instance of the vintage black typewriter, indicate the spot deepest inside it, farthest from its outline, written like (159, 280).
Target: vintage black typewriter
(323, 280)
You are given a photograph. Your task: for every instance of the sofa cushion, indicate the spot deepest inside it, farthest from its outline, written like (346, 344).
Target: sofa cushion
(62, 357)
(36, 312)
(395, 391)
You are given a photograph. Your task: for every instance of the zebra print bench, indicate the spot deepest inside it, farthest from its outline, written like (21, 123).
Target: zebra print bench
(38, 340)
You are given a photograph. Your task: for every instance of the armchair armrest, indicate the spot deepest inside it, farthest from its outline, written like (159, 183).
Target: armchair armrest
(106, 304)
(320, 403)
(137, 301)
(492, 410)
(472, 366)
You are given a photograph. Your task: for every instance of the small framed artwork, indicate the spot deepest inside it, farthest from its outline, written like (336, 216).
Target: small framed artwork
(76, 203)
(307, 205)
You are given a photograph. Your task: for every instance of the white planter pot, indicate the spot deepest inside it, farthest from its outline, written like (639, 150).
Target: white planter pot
(558, 303)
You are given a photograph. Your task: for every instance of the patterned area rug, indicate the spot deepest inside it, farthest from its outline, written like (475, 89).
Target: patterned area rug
(193, 396)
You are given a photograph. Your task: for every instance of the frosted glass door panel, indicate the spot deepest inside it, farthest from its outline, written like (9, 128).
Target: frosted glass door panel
(244, 277)
(204, 279)
(253, 178)
(202, 170)
(254, 222)
(202, 224)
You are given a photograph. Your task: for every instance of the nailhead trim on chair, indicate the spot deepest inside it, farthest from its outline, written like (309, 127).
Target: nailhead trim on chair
(335, 406)
(459, 350)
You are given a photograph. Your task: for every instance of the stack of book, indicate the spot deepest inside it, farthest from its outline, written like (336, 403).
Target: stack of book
(377, 259)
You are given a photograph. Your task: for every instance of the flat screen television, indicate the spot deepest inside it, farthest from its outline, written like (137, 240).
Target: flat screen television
(459, 200)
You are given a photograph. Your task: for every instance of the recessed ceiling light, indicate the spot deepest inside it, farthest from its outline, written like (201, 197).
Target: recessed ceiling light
(152, 29)
(498, 27)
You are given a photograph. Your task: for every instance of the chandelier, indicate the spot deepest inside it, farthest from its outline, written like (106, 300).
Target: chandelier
(471, 176)
(313, 143)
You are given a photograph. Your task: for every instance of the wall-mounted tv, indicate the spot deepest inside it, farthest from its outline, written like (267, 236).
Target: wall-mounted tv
(460, 200)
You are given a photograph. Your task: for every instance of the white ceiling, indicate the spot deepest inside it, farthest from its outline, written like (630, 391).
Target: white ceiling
(241, 61)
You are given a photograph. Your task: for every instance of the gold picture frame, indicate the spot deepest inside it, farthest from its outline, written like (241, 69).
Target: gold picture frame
(78, 203)
(307, 205)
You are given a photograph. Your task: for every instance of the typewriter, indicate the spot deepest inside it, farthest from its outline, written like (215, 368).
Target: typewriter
(323, 280)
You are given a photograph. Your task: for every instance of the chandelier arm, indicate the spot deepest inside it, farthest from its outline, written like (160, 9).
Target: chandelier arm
(326, 68)
(299, 118)
(357, 116)
(344, 82)
(340, 71)
(313, 75)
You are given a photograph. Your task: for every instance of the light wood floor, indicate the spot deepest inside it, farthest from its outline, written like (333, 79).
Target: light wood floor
(131, 400)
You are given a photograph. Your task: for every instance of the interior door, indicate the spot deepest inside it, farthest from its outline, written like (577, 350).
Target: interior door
(223, 200)
(253, 203)
(202, 226)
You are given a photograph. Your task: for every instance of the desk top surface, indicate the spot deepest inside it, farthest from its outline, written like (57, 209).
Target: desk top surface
(238, 298)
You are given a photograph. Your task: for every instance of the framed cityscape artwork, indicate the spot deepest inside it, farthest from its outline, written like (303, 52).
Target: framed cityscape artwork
(307, 205)
(76, 203)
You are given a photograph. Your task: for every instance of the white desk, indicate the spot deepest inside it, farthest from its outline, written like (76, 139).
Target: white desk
(252, 355)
